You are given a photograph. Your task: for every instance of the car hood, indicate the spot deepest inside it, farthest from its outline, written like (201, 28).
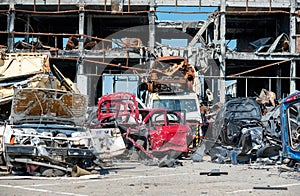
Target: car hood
(41, 105)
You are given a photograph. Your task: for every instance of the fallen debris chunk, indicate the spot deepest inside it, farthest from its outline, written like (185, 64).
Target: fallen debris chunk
(103, 172)
(214, 172)
(168, 162)
(77, 171)
(270, 188)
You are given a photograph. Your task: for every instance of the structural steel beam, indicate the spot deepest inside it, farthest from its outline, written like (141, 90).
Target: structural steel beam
(187, 3)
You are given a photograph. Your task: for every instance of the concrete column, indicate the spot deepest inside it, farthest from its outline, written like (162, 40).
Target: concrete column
(278, 83)
(27, 29)
(216, 31)
(293, 18)
(223, 50)
(151, 17)
(11, 26)
(89, 25)
(81, 25)
(82, 80)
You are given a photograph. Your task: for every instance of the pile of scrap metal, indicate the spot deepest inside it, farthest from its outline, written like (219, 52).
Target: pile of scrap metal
(241, 134)
(152, 132)
(44, 133)
(170, 74)
(27, 70)
(88, 44)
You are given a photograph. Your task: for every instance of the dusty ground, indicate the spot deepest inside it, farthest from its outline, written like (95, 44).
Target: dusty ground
(133, 178)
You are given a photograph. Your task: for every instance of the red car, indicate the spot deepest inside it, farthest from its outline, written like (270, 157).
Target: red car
(156, 132)
(161, 132)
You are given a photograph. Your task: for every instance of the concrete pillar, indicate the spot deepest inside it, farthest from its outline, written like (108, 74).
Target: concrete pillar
(216, 31)
(81, 25)
(11, 26)
(27, 29)
(278, 83)
(293, 18)
(82, 80)
(89, 25)
(151, 17)
(223, 50)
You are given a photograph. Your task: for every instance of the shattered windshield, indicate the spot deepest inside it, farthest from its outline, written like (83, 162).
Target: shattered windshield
(294, 125)
(175, 104)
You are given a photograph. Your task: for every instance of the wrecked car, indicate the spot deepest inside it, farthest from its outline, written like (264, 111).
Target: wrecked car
(152, 131)
(108, 122)
(120, 107)
(290, 126)
(161, 132)
(237, 125)
(44, 134)
(239, 113)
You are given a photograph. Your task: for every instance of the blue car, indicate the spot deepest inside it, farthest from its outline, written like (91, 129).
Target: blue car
(290, 126)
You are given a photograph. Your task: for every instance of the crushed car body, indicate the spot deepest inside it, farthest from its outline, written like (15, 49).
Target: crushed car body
(151, 131)
(108, 123)
(43, 115)
(45, 132)
(121, 107)
(238, 129)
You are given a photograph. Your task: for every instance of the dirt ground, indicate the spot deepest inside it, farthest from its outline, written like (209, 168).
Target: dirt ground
(134, 178)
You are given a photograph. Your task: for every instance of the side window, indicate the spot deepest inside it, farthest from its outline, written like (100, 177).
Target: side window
(173, 119)
(158, 119)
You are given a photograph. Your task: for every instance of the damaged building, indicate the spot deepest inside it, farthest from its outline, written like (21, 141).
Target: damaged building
(95, 48)
(89, 40)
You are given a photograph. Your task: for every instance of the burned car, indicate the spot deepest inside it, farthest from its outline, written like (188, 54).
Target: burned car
(161, 132)
(290, 126)
(45, 133)
(237, 127)
(239, 114)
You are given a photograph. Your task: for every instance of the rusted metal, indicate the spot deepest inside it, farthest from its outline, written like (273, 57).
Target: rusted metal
(132, 45)
(34, 6)
(262, 67)
(58, 6)
(168, 72)
(76, 11)
(128, 9)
